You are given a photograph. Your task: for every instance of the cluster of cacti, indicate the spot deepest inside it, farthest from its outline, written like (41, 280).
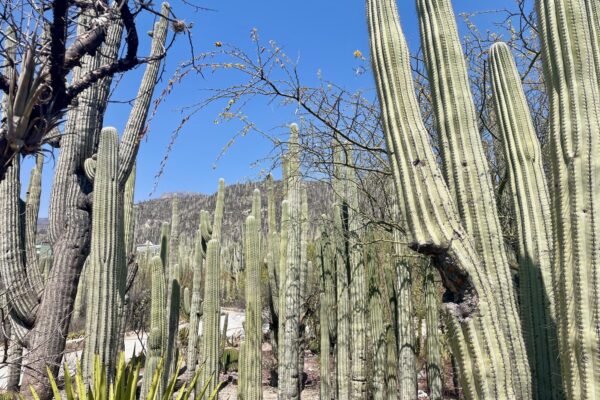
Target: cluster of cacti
(455, 221)
(542, 344)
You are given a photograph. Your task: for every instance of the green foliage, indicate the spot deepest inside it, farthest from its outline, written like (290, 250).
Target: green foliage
(124, 386)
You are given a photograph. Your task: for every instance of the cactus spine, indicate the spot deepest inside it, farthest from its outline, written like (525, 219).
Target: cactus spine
(105, 258)
(569, 33)
(157, 338)
(531, 204)
(252, 355)
(289, 377)
(433, 222)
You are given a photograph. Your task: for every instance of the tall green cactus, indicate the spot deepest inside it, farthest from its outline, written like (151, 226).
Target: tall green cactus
(327, 314)
(343, 303)
(202, 238)
(211, 315)
(173, 291)
(32, 209)
(219, 207)
(289, 376)
(531, 204)
(273, 265)
(252, 356)
(358, 291)
(433, 222)
(377, 319)
(157, 337)
(283, 249)
(569, 33)
(433, 346)
(105, 257)
(466, 169)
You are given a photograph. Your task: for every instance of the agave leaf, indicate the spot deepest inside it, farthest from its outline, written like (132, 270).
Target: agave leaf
(34, 393)
(155, 380)
(69, 390)
(81, 388)
(53, 385)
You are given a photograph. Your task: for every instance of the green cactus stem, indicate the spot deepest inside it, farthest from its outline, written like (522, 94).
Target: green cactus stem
(289, 376)
(466, 170)
(569, 33)
(252, 356)
(531, 204)
(434, 365)
(105, 259)
(157, 337)
(211, 317)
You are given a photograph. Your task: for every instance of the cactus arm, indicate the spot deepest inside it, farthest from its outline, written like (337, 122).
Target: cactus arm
(135, 127)
(531, 204)
(571, 78)
(21, 295)
(32, 208)
(433, 223)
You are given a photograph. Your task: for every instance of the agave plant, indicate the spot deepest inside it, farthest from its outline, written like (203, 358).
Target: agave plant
(124, 385)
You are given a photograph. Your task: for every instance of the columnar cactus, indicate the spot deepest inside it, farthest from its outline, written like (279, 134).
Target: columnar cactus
(252, 357)
(157, 337)
(202, 238)
(283, 249)
(273, 265)
(219, 206)
(358, 292)
(434, 365)
(531, 204)
(434, 225)
(324, 350)
(105, 257)
(173, 291)
(343, 303)
(327, 314)
(289, 376)
(32, 209)
(466, 170)
(569, 32)
(378, 320)
(211, 317)
(304, 268)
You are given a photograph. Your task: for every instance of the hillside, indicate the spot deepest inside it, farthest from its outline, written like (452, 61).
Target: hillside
(238, 204)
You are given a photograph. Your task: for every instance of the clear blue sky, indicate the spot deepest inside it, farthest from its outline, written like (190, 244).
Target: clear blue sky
(321, 35)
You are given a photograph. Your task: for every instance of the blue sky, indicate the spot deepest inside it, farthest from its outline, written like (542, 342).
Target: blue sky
(320, 35)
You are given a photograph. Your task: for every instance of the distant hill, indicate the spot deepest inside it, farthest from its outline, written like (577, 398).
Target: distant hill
(151, 214)
(238, 204)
